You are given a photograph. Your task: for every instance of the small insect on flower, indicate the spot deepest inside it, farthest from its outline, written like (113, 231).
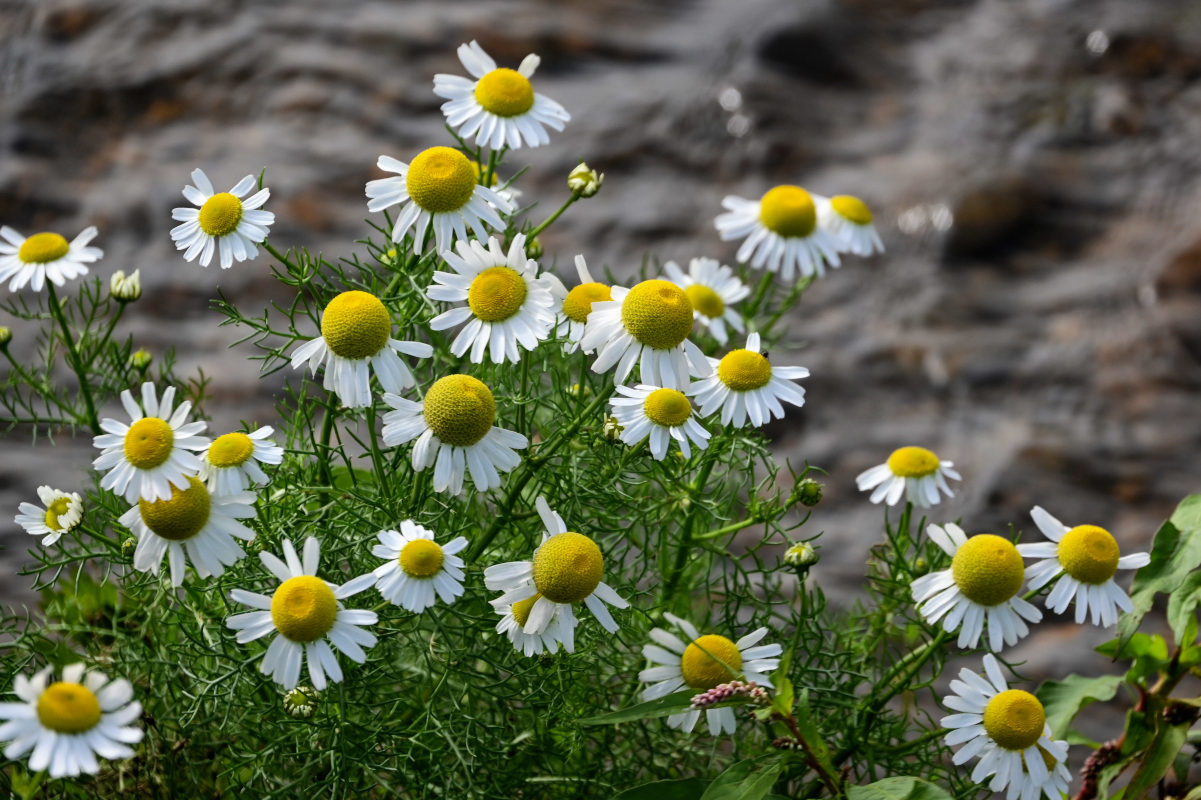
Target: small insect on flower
(660, 415)
(779, 232)
(61, 513)
(68, 723)
(713, 289)
(44, 257)
(849, 221)
(744, 385)
(231, 462)
(229, 221)
(418, 570)
(914, 473)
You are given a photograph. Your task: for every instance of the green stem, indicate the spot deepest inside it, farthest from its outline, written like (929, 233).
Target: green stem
(76, 364)
(752, 308)
(377, 458)
(43, 390)
(280, 257)
(789, 301)
(529, 237)
(490, 170)
(112, 323)
(327, 429)
(831, 781)
(733, 527)
(673, 577)
(399, 276)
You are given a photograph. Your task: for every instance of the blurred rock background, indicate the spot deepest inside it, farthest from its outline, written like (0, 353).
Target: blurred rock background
(1034, 165)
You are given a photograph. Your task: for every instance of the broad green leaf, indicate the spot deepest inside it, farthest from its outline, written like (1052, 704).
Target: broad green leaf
(1062, 700)
(664, 706)
(1182, 609)
(680, 789)
(783, 698)
(899, 788)
(744, 781)
(813, 737)
(1159, 757)
(1175, 553)
(1187, 515)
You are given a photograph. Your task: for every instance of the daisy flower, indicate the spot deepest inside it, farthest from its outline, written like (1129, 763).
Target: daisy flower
(356, 338)
(575, 305)
(417, 567)
(231, 462)
(659, 413)
(702, 663)
(505, 302)
(500, 107)
(68, 723)
(514, 616)
(849, 221)
(566, 569)
(195, 523)
(981, 586)
(453, 428)
(307, 617)
(1088, 557)
(146, 458)
(779, 232)
(225, 221)
(44, 257)
(744, 385)
(711, 287)
(62, 512)
(1007, 729)
(437, 188)
(647, 325)
(914, 473)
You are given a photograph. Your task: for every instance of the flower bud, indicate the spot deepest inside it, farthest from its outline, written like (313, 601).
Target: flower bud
(801, 556)
(6, 336)
(128, 547)
(140, 359)
(584, 181)
(808, 492)
(612, 429)
(301, 702)
(125, 289)
(533, 248)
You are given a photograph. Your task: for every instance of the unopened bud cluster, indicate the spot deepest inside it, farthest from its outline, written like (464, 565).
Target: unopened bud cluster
(6, 335)
(808, 492)
(140, 359)
(752, 692)
(801, 556)
(301, 702)
(612, 429)
(785, 743)
(584, 181)
(126, 289)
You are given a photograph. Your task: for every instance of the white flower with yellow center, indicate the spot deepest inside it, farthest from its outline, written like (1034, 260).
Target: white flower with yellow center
(981, 587)
(418, 570)
(566, 569)
(356, 338)
(454, 432)
(193, 523)
(506, 303)
(229, 221)
(44, 257)
(744, 385)
(1007, 730)
(712, 288)
(62, 511)
(1088, 557)
(913, 473)
(150, 455)
(68, 723)
(305, 614)
(647, 325)
(231, 463)
(574, 306)
(661, 414)
(438, 188)
(500, 107)
(849, 220)
(514, 616)
(701, 663)
(779, 232)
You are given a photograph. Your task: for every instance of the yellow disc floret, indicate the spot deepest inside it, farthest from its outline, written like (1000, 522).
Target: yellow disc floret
(667, 407)
(1089, 554)
(421, 558)
(505, 92)
(440, 179)
(710, 660)
(705, 300)
(304, 608)
(496, 294)
(231, 450)
(42, 248)
(744, 370)
(148, 443)
(180, 517)
(356, 325)
(913, 462)
(851, 209)
(567, 567)
(68, 708)
(1014, 719)
(220, 214)
(988, 569)
(522, 609)
(788, 211)
(658, 314)
(578, 303)
(460, 410)
(57, 509)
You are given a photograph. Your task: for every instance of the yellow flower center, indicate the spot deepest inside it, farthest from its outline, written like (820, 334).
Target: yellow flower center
(421, 558)
(479, 174)
(851, 209)
(496, 294)
(710, 660)
(180, 517)
(1014, 719)
(149, 442)
(42, 248)
(68, 708)
(55, 510)
(356, 325)
(460, 410)
(220, 214)
(913, 462)
(658, 314)
(788, 211)
(744, 370)
(440, 179)
(987, 569)
(667, 407)
(505, 92)
(304, 608)
(567, 567)
(1049, 760)
(522, 609)
(578, 303)
(706, 301)
(231, 450)
(1089, 554)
